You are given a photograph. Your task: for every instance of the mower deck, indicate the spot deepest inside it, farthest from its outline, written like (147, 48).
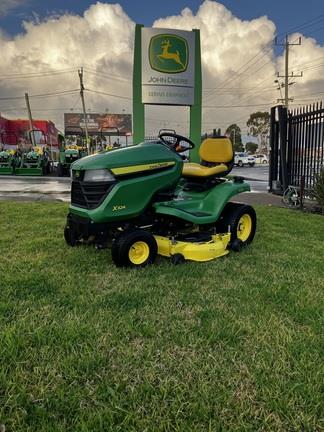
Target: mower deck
(194, 251)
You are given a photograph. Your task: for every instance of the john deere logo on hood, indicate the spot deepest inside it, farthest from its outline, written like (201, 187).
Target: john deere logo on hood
(168, 53)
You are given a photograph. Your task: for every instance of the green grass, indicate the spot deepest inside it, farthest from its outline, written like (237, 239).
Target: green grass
(235, 344)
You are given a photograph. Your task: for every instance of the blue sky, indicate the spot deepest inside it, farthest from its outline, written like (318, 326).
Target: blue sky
(286, 14)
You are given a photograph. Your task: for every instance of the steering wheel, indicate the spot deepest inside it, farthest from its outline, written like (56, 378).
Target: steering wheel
(175, 141)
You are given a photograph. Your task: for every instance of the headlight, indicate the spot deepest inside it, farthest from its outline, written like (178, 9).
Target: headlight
(100, 175)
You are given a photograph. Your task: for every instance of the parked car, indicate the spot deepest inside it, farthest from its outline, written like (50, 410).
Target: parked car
(242, 159)
(261, 158)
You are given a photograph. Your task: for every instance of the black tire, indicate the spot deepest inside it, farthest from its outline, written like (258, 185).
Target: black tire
(231, 218)
(59, 170)
(177, 259)
(70, 236)
(264, 162)
(240, 164)
(125, 242)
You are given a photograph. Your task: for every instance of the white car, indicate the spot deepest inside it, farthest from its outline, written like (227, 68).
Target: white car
(261, 159)
(242, 159)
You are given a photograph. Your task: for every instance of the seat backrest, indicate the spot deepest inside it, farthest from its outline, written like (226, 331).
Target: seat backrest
(216, 150)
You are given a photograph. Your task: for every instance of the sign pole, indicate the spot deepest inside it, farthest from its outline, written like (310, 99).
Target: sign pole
(138, 106)
(195, 109)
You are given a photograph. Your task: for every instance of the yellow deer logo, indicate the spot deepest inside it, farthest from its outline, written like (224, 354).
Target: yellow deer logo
(166, 55)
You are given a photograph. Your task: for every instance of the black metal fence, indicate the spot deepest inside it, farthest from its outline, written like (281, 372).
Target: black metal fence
(296, 147)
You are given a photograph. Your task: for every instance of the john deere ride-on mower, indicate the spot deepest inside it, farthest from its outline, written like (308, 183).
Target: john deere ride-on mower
(147, 201)
(70, 153)
(34, 161)
(8, 158)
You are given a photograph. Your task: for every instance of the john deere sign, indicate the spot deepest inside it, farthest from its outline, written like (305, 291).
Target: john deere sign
(167, 66)
(168, 53)
(167, 71)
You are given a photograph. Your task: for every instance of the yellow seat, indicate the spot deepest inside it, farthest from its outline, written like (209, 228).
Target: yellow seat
(215, 151)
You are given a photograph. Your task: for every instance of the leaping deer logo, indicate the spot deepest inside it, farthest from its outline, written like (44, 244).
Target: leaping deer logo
(167, 55)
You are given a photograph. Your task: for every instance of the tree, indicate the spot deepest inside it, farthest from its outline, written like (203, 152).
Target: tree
(251, 147)
(259, 126)
(234, 133)
(216, 133)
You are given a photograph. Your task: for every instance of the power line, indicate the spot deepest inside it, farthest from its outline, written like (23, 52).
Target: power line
(44, 95)
(306, 24)
(34, 75)
(109, 77)
(237, 106)
(286, 76)
(108, 94)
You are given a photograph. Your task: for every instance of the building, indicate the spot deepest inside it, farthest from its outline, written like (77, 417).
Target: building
(16, 133)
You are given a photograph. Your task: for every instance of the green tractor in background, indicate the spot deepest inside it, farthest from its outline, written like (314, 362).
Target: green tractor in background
(145, 200)
(8, 158)
(36, 160)
(71, 152)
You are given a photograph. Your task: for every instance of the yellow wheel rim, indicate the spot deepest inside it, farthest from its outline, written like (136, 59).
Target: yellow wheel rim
(244, 227)
(139, 253)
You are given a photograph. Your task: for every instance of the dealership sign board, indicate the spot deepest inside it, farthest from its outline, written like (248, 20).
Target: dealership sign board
(168, 66)
(98, 123)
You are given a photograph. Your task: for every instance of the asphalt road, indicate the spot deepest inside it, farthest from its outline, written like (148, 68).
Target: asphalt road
(58, 188)
(256, 176)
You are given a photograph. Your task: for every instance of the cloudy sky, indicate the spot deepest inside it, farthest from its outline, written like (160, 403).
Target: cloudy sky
(42, 48)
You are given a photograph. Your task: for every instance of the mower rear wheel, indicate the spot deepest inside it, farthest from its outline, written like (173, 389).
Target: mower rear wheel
(134, 248)
(241, 220)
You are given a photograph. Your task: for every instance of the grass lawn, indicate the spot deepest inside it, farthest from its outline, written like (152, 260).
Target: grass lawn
(235, 344)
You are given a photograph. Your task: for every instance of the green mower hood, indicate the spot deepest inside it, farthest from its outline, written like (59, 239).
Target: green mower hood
(147, 153)
(121, 183)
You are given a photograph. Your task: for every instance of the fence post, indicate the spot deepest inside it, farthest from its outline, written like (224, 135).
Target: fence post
(273, 144)
(282, 117)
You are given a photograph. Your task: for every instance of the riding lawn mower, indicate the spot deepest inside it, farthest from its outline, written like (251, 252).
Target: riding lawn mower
(70, 152)
(34, 161)
(8, 158)
(145, 200)
(68, 155)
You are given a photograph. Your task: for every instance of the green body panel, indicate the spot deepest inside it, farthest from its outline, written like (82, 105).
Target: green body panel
(29, 171)
(201, 207)
(132, 194)
(6, 170)
(138, 106)
(195, 109)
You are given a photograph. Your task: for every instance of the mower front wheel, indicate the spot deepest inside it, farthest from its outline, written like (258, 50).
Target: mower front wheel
(59, 168)
(134, 248)
(70, 236)
(241, 221)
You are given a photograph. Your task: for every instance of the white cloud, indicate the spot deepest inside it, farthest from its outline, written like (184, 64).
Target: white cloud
(7, 5)
(102, 41)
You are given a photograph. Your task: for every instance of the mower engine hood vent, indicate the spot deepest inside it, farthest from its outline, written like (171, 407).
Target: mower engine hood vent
(89, 195)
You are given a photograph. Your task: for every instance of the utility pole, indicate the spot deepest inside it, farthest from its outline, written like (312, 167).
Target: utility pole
(30, 118)
(286, 76)
(80, 72)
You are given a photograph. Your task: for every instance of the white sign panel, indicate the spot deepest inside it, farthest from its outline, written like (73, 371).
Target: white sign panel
(168, 64)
